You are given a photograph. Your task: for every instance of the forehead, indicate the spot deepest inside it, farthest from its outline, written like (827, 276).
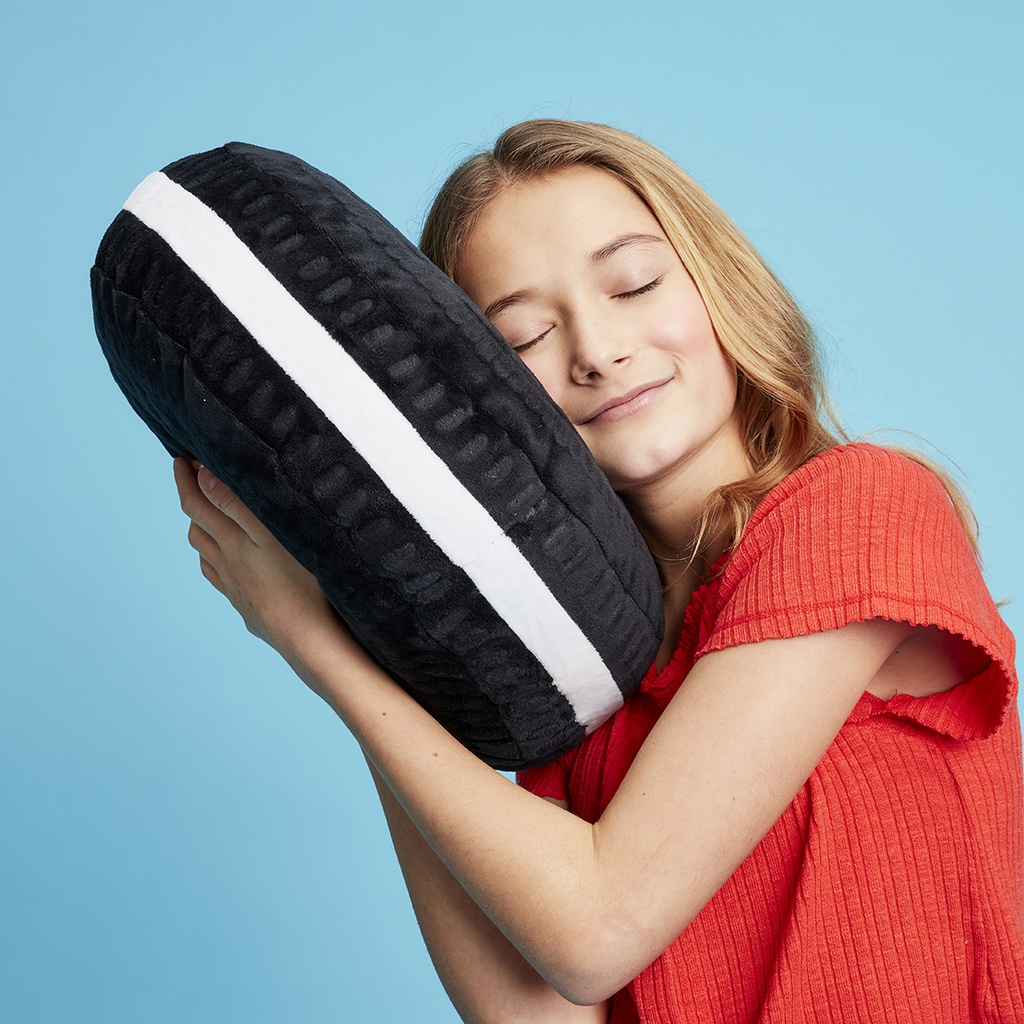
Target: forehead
(559, 217)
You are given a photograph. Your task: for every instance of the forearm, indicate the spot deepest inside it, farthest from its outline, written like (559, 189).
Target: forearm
(487, 979)
(524, 862)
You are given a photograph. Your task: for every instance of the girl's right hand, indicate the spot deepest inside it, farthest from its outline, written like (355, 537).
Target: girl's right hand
(279, 600)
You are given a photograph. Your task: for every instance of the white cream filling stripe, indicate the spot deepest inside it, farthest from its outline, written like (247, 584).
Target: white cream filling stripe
(388, 442)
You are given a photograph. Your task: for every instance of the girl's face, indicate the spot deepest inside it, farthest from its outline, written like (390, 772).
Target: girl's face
(577, 274)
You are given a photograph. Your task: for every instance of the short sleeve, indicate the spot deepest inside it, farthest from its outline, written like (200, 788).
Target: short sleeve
(863, 532)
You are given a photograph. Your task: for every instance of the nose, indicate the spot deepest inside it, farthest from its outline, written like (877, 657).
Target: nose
(598, 349)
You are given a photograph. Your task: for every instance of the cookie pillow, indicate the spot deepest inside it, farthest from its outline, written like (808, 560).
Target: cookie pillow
(264, 320)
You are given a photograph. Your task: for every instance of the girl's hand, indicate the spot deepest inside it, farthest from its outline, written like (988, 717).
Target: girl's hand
(279, 600)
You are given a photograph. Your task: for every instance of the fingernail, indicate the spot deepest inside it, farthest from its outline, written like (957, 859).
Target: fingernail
(206, 479)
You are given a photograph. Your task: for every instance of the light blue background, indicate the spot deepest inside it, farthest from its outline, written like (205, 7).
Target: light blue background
(188, 835)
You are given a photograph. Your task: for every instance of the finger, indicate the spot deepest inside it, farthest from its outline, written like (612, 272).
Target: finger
(198, 507)
(190, 496)
(207, 546)
(211, 575)
(222, 497)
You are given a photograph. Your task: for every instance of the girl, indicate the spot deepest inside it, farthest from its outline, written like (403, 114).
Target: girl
(812, 810)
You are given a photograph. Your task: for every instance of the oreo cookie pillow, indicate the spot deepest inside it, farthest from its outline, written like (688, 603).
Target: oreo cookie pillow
(264, 320)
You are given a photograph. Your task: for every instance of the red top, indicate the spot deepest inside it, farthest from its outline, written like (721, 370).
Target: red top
(892, 888)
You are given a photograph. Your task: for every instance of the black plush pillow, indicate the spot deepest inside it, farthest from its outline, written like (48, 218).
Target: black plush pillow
(264, 320)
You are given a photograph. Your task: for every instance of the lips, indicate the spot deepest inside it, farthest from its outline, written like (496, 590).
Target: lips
(626, 404)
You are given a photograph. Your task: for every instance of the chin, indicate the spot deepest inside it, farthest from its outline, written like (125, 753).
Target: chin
(636, 478)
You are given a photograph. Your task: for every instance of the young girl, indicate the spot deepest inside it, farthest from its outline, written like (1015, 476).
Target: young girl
(812, 809)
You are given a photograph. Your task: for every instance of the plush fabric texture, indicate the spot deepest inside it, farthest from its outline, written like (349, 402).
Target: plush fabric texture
(264, 320)
(892, 888)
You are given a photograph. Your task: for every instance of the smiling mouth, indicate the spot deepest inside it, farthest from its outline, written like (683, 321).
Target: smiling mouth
(627, 404)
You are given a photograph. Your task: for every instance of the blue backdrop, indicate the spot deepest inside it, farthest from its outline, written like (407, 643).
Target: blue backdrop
(188, 834)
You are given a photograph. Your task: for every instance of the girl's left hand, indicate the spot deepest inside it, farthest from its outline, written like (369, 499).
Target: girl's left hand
(279, 600)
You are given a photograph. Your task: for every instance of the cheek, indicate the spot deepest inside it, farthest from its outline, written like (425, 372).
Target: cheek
(708, 368)
(726, 387)
(685, 329)
(681, 326)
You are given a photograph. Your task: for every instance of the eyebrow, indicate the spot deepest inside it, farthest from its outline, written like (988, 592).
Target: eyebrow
(597, 256)
(623, 242)
(509, 300)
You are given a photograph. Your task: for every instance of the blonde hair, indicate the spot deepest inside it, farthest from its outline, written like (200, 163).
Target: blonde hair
(784, 412)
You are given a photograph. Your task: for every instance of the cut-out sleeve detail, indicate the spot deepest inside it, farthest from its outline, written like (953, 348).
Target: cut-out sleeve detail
(858, 533)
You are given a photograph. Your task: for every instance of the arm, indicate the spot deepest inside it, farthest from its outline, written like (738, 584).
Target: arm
(588, 906)
(486, 978)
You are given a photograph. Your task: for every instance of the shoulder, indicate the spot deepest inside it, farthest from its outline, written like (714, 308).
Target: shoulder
(851, 476)
(851, 521)
(858, 532)
(857, 510)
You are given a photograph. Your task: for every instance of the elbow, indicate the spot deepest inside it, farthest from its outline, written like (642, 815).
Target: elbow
(588, 987)
(588, 969)
(584, 991)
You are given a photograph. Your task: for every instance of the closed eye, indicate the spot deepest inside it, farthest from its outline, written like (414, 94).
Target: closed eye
(527, 345)
(642, 290)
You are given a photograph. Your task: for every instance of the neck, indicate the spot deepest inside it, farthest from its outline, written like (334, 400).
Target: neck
(682, 552)
(670, 515)
(684, 545)
(670, 511)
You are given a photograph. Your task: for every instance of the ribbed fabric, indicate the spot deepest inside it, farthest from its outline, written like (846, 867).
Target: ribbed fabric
(892, 888)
